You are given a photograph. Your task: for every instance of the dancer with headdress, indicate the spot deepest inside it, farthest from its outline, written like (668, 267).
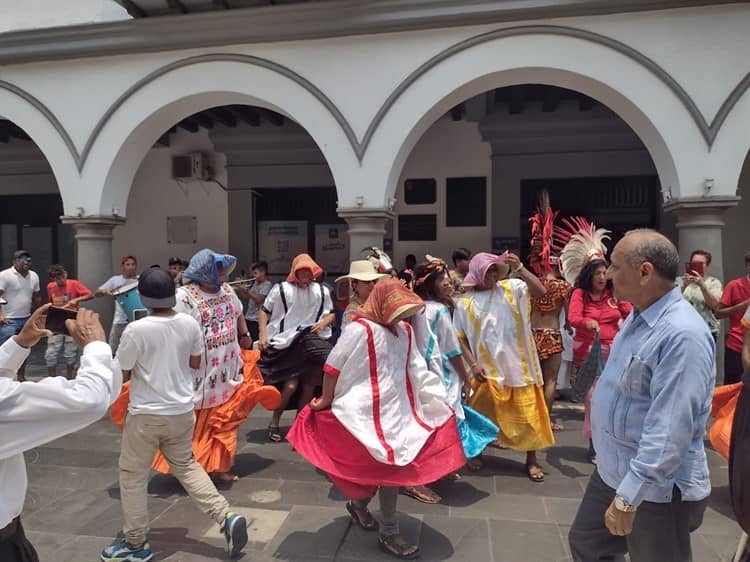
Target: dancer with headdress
(493, 325)
(437, 342)
(593, 308)
(295, 329)
(382, 421)
(547, 310)
(361, 279)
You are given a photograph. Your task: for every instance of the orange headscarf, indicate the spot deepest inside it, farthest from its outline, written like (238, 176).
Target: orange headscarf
(303, 261)
(389, 301)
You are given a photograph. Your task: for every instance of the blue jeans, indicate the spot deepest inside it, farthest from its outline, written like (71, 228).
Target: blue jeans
(12, 328)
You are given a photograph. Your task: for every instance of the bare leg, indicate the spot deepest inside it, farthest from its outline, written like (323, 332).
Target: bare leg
(70, 373)
(51, 371)
(550, 368)
(534, 471)
(290, 387)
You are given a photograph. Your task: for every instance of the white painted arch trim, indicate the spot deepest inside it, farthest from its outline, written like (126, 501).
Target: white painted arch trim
(636, 94)
(140, 118)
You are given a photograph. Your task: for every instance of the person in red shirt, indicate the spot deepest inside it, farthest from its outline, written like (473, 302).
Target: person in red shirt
(64, 293)
(732, 304)
(593, 308)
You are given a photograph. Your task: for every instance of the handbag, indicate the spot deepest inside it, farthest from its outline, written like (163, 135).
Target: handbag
(589, 371)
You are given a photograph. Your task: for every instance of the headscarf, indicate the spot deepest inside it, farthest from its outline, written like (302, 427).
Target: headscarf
(388, 301)
(303, 261)
(478, 267)
(204, 267)
(433, 265)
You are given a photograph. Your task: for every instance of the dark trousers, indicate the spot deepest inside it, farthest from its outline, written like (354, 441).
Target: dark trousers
(732, 366)
(252, 327)
(14, 546)
(661, 531)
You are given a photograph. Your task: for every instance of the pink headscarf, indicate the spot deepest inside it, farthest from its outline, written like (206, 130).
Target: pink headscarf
(478, 267)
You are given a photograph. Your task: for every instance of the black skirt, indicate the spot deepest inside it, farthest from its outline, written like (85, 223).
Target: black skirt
(14, 546)
(739, 457)
(305, 356)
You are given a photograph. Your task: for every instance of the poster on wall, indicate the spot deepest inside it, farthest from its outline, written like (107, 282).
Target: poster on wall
(332, 248)
(279, 242)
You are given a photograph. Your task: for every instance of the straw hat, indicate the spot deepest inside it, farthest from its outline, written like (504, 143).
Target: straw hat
(362, 270)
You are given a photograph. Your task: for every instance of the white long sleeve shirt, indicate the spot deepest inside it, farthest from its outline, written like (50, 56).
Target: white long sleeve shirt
(34, 413)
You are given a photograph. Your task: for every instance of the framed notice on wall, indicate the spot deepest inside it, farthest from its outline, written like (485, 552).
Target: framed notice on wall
(279, 242)
(332, 248)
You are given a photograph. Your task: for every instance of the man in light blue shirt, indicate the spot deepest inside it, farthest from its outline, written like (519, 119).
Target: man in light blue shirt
(648, 417)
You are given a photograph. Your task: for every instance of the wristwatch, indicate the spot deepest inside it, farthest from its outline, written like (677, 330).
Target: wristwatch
(622, 505)
(246, 335)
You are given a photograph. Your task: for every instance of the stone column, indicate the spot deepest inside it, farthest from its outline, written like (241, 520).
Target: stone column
(366, 228)
(93, 236)
(699, 225)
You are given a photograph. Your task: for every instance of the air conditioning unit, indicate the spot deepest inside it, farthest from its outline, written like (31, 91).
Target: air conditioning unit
(188, 167)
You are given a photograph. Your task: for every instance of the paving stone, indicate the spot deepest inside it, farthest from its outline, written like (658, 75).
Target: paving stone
(47, 476)
(503, 506)
(446, 538)
(561, 510)
(70, 457)
(723, 546)
(39, 497)
(715, 523)
(359, 544)
(262, 525)
(518, 540)
(311, 533)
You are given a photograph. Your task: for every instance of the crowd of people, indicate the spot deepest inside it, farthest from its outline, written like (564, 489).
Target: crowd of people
(398, 378)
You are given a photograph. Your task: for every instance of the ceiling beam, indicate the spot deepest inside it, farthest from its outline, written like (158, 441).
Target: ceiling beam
(224, 116)
(249, 115)
(190, 125)
(274, 118)
(586, 103)
(516, 100)
(204, 120)
(551, 100)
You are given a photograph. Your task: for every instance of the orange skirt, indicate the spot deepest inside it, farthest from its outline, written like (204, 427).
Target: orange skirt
(722, 410)
(215, 431)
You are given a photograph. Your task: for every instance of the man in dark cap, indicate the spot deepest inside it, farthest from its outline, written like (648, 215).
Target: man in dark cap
(19, 286)
(158, 352)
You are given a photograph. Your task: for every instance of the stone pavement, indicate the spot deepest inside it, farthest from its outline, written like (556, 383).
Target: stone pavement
(73, 507)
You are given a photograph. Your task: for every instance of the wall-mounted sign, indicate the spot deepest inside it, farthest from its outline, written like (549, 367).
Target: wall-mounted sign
(279, 242)
(332, 248)
(501, 244)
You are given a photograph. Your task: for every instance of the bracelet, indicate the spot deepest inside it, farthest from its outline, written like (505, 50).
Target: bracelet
(519, 268)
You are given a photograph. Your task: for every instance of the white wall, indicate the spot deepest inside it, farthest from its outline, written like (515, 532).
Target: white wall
(155, 196)
(447, 149)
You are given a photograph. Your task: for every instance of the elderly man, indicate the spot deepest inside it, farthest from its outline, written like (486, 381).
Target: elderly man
(649, 411)
(32, 414)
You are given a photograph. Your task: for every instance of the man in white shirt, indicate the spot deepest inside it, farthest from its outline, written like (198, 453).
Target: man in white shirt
(19, 286)
(32, 414)
(129, 275)
(159, 351)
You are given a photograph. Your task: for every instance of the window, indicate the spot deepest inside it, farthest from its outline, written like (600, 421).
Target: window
(420, 191)
(466, 201)
(417, 227)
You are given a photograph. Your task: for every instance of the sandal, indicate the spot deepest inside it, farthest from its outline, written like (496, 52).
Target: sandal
(557, 427)
(535, 475)
(398, 546)
(474, 464)
(422, 494)
(273, 434)
(452, 477)
(498, 445)
(224, 477)
(368, 523)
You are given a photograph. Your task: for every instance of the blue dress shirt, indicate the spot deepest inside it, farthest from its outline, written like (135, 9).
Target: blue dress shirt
(651, 404)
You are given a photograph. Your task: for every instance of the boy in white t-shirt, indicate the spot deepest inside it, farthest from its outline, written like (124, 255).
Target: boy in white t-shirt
(158, 352)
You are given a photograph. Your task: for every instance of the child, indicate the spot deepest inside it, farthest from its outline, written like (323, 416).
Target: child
(437, 342)
(158, 352)
(388, 424)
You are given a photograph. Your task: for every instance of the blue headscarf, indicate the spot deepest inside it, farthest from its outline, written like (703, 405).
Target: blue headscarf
(204, 267)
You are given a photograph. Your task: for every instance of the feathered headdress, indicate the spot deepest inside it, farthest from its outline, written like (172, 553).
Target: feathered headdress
(542, 228)
(580, 242)
(379, 259)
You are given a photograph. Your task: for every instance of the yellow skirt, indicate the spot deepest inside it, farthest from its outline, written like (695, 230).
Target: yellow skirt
(520, 413)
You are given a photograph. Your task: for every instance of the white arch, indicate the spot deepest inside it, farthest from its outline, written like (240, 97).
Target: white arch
(46, 132)
(153, 108)
(627, 87)
(731, 148)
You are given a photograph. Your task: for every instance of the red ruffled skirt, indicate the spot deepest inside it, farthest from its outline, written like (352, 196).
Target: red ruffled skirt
(325, 443)
(215, 431)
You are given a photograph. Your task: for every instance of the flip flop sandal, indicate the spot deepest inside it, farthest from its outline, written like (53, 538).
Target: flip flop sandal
(369, 524)
(412, 492)
(273, 434)
(391, 545)
(539, 475)
(452, 477)
(557, 427)
(474, 464)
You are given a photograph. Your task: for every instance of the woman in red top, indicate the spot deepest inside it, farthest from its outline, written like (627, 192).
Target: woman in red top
(593, 308)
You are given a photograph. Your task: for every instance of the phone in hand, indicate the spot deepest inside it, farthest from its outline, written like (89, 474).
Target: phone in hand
(56, 317)
(695, 266)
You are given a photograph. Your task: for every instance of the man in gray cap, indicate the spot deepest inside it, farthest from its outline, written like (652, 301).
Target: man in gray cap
(158, 352)
(19, 286)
